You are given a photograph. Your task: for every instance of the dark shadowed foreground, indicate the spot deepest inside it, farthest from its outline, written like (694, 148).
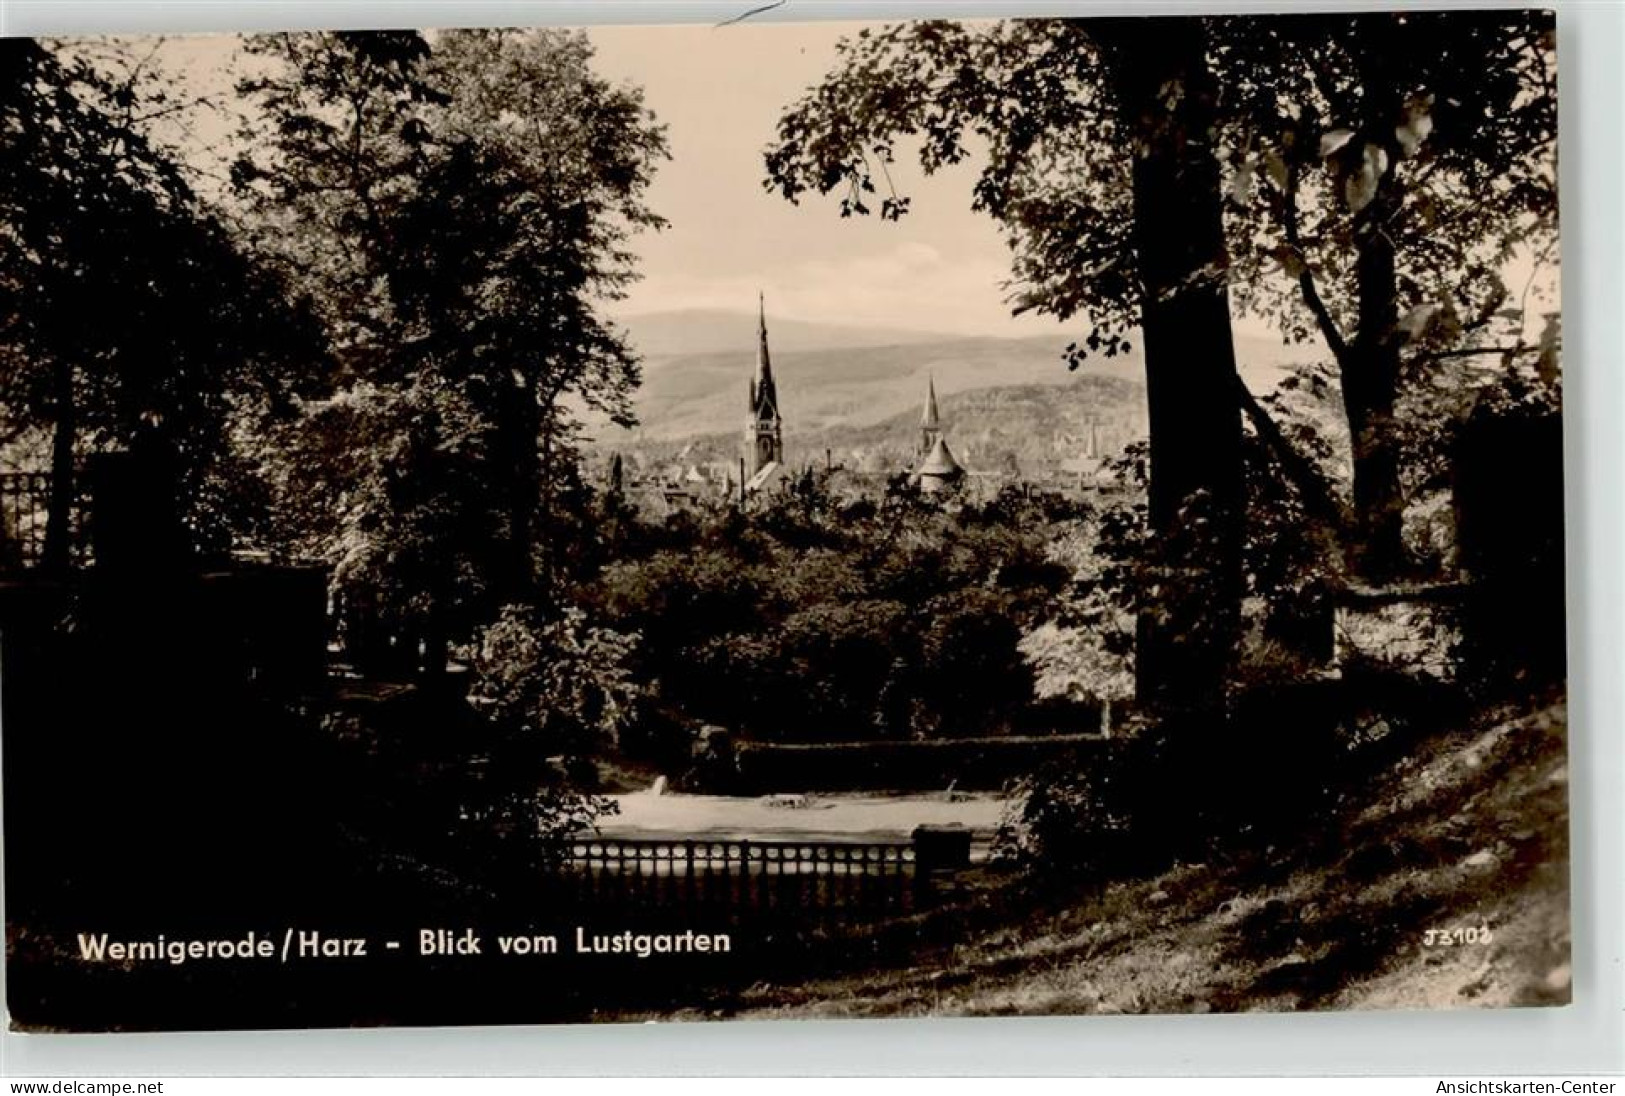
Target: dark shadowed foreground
(1471, 831)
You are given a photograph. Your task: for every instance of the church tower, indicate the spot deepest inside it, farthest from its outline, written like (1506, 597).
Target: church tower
(764, 433)
(936, 469)
(930, 420)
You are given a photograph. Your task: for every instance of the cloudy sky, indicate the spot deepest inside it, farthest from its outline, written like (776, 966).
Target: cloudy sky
(721, 90)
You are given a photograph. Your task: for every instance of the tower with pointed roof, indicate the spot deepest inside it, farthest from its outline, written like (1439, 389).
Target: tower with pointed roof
(764, 430)
(937, 469)
(930, 420)
(940, 470)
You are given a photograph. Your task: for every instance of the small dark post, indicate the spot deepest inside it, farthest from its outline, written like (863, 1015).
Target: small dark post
(938, 849)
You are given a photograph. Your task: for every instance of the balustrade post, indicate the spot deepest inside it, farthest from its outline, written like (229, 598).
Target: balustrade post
(938, 849)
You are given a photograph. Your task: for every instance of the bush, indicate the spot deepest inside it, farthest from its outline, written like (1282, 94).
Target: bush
(1275, 766)
(1077, 824)
(559, 680)
(966, 763)
(557, 690)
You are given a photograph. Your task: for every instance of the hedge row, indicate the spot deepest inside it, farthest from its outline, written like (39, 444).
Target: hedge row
(970, 764)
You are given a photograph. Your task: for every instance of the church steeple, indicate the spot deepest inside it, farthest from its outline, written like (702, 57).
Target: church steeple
(930, 420)
(936, 469)
(764, 398)
(764, 442)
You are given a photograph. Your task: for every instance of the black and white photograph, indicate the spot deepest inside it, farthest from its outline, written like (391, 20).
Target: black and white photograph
(782, 520)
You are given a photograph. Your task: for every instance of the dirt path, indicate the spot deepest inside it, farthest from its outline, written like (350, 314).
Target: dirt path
(811, 818)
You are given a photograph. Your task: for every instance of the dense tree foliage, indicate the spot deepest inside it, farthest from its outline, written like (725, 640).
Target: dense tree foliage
(1097, 165)
(807, 620)
(129, 316)
(369, 351)
(1378, 178)
(1383, 172)
(461, 208)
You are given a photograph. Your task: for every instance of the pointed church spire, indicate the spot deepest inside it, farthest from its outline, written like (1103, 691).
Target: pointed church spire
(764, 362)
(763, 439)
(764, 398)
(930, 420)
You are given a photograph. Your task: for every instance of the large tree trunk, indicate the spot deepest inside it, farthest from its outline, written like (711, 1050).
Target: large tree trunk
(1186, 641)
(56, 554)
(1369, 366)
(1370, 381)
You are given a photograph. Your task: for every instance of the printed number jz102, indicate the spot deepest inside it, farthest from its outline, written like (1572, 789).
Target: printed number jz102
(1446, 938)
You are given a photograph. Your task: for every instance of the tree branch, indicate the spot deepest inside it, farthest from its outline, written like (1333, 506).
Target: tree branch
(1483, 351)
(1319, 501)
(1306, 279)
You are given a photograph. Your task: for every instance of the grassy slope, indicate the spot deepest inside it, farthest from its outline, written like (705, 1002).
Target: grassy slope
(1469, 830)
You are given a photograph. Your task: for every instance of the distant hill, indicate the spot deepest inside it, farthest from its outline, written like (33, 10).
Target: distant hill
(1027, 428)
(661, 335)
(824, 383)
(852, 386)
(1009, 404)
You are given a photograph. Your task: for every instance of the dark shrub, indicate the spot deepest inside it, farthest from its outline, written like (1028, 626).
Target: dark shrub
(1271, 769)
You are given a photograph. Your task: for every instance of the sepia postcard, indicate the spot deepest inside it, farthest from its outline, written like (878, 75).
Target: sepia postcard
(782, 520)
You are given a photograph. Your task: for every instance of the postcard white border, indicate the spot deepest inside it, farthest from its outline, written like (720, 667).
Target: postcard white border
(1582, 1038)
